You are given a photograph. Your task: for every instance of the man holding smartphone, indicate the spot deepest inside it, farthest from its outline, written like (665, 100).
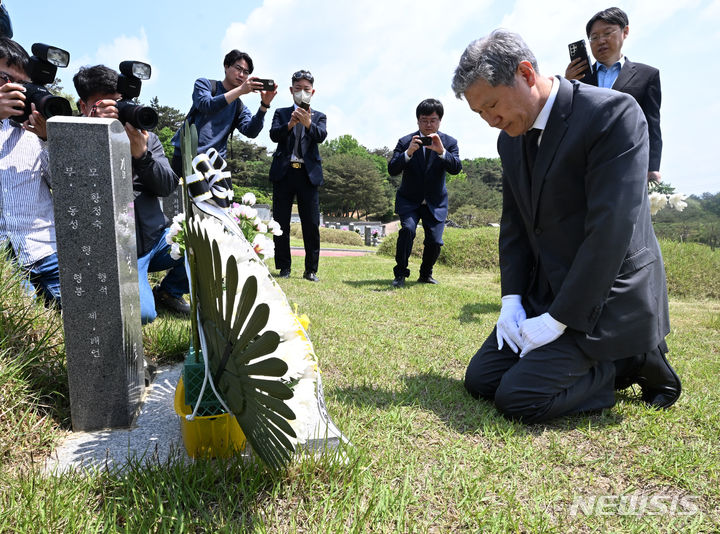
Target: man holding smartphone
(423, 157)
(296, 172)
(607, 31)
(217, 109)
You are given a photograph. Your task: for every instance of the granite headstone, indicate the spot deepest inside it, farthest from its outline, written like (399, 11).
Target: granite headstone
(91, 170)
(172, 204)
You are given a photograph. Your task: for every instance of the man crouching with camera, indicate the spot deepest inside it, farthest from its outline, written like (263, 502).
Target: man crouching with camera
(152, 178)
(27, 224)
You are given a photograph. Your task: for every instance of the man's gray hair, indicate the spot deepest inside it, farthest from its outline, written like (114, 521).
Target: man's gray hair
(494, 59)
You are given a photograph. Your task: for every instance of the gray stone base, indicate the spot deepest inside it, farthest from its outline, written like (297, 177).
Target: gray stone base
(156, 436)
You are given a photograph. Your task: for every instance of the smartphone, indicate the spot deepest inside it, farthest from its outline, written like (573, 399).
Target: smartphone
(578, 50)
(304, 105)
(425, 140)
(268, 84)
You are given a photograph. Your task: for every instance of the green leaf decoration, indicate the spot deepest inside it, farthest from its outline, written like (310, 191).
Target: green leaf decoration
(251, 389)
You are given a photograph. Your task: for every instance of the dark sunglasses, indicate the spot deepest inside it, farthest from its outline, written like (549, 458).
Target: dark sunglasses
(303, 75)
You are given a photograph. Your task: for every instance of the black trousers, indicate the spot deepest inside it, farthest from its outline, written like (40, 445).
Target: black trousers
(297, 184)
(551, 381)
(406, 236)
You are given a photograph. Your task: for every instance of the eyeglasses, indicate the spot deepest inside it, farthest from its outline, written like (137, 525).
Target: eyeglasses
(596, 37)
(241, 70)
(303, 75)
(428, 122)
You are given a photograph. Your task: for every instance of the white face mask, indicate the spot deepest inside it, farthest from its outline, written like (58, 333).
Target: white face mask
(302, 96)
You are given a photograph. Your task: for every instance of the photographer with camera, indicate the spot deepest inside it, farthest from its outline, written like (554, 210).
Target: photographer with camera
(423, 157)
(99, 94)
(27, 224)
(217, 109)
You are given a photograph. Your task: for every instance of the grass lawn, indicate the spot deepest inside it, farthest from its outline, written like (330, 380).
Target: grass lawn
(426, 457)
(298, 242)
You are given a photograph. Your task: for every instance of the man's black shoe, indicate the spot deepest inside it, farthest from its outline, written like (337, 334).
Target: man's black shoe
(163, 299)
(399, 281)
(427, 280)
(309, 275)
(284, 273)
(659, 383)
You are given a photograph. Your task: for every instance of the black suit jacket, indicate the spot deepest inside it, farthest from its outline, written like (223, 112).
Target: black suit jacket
(285, 140)
(424, 180)
(152, 178)
(577, 240)
(642, 82)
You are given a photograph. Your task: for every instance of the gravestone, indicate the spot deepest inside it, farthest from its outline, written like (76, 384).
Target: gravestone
(91, 170)
(172, 204)
(263, 211)
(368, 236)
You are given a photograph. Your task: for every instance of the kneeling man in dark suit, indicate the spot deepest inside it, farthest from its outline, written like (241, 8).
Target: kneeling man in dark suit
(584, 300)
(423, 157)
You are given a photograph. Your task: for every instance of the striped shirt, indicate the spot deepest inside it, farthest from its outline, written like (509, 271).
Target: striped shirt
(26, 208)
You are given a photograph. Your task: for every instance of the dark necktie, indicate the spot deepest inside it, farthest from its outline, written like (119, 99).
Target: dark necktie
(297, 149)
(531, 147)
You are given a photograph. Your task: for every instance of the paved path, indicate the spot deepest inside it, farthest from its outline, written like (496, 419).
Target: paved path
(299, 251)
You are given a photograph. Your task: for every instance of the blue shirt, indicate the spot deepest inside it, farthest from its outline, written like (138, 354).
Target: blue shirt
(606, 77)
(214, 118)
(26, 207)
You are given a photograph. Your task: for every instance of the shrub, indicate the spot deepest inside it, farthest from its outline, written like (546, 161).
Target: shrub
(692, 269)
(331, 235)
(467, 249)
(261, 197)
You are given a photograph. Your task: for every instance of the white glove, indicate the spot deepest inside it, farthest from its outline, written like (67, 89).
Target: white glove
(539, 331)
(512, 314)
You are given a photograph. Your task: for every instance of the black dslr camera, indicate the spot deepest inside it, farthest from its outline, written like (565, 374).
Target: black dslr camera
(129, 83)
(41, 70)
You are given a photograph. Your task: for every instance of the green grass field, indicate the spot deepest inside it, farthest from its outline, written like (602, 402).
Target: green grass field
(426, 457)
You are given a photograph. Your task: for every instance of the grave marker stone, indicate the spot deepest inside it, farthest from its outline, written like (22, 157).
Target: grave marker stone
(90, 165)
(172, 204)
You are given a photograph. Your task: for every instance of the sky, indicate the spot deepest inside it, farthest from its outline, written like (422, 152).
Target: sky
(373, 61)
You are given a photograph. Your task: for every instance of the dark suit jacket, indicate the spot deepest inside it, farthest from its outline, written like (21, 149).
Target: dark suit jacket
(285, 140)
(421, 180)
(152, 178)
(642, 82)
(577, 242)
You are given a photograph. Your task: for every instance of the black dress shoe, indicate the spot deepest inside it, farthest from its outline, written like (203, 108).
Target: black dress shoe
(427, 280)
(659, 383)
(165, 300)
(309, 275)
(284, 273)
(399, 281)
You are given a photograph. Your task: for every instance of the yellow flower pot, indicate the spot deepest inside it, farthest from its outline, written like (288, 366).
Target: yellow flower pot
(210, 436)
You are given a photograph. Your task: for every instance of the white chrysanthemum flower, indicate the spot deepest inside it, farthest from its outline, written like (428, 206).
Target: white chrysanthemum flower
(657, 202)
(249, 199)
(243, 211)
(304, 406)
(175, 252)
(274, 227)
(263, 246)
(179, 218)
(677, 201)
(260, 226)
